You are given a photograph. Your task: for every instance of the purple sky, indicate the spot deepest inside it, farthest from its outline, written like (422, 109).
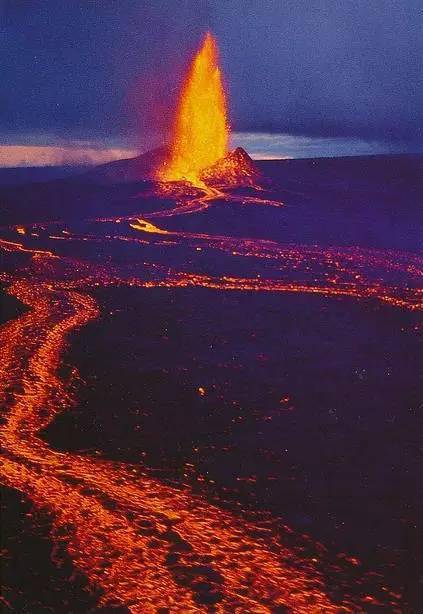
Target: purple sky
(110, 72)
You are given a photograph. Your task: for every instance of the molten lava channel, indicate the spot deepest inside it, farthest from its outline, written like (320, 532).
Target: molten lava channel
(201, 132)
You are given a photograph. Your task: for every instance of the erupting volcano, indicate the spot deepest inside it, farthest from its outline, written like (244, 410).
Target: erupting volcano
(198, 151)
(200, 131)
(207, 463)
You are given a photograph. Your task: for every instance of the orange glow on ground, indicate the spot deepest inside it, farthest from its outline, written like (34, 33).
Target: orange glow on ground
(200, 132)
(147, 545)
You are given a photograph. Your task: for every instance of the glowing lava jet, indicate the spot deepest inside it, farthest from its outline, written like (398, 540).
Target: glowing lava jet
(200, 132)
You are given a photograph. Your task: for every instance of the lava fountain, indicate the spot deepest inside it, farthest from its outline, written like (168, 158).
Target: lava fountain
(200, 131)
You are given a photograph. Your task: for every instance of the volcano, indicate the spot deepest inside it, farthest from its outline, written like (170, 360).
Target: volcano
(235, 169)
(198, 150)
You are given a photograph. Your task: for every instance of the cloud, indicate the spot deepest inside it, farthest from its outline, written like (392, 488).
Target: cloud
(270, 146)
(47, 155)
(260, 145)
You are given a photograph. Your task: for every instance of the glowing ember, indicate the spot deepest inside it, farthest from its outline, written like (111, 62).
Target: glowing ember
(200, 133)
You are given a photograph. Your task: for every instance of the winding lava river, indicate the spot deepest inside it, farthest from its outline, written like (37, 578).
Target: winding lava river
(147, 545)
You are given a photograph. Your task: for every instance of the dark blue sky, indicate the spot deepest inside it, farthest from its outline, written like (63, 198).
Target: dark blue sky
(110, 69)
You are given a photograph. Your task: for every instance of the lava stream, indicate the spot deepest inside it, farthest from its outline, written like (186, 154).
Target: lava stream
(123, 548)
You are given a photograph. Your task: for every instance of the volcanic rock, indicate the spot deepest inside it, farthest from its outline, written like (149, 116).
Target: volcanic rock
(236, 169)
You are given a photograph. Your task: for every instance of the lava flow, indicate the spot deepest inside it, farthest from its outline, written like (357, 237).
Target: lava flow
(147, 545)
(200, 132)
(144, 544)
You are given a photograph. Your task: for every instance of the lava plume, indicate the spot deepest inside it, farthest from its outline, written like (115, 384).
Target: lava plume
(198, 152)
(200, 132)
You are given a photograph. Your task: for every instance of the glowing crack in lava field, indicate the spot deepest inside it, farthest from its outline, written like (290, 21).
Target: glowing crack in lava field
(195, 324)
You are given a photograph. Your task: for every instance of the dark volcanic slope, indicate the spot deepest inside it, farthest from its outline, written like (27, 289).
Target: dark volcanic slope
(37, 174)
(140, 168)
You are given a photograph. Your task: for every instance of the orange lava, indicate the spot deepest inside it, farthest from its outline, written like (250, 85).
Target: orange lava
(326, 271)
(200, 132)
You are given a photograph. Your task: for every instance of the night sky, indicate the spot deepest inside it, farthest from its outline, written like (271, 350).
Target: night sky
(111, 70)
